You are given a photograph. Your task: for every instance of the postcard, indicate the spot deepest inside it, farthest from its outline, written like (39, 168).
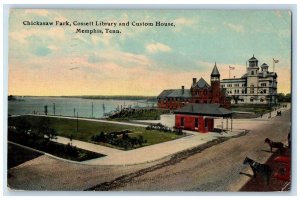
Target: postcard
(149, 100)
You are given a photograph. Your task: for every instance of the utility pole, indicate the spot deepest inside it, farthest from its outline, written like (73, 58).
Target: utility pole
(54, 109)
(74, 112)
(46, 109)
(103, 107)
(92, 110)
(77, 123)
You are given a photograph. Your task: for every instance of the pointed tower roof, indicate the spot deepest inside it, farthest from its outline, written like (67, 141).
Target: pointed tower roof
(252, 59)
(215, 71)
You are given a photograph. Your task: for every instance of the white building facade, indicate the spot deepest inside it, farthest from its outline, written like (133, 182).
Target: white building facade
(257, 86)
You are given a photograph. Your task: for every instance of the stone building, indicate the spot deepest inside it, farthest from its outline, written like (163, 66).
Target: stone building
(256, 86)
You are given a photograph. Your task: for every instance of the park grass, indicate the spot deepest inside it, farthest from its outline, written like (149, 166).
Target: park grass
(17, 155)
(86, 129)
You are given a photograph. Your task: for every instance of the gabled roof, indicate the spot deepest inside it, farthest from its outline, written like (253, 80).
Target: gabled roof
(201, 83)
(175, 93)
(215, 71)
(204, 109)
(164, 93)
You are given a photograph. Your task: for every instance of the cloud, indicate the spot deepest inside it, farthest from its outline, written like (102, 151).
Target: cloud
(105, 39)
(21, 36)
(157, 47)
(234, 27)
(125, 59)
(184, 21)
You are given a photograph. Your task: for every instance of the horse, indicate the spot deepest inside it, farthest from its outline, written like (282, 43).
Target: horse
(257, 168)
(272, 144)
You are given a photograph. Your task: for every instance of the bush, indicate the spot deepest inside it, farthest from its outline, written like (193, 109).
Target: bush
(126, 141)
(71, 150)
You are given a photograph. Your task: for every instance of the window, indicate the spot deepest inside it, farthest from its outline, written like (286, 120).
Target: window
(252, 72)
(265, 91)
(251, 100)
(196, 122)
(206, 122)
(263, 84)
(182, 121)
(261, 100)
(251, 89)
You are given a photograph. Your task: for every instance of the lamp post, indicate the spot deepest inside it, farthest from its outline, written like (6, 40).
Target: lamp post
(92, 110)
(54, 109)
(77, 123)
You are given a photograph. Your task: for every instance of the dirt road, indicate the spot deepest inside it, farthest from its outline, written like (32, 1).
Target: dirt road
(215, 169)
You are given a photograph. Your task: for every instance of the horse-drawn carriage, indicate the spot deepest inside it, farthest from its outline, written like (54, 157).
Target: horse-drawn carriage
(279, 113)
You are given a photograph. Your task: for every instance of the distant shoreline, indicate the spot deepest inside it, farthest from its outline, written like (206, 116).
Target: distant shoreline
(113, 97)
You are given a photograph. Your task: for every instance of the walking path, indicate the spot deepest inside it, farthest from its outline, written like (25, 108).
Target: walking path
(161, 150)
(88, 146)
(92, 120)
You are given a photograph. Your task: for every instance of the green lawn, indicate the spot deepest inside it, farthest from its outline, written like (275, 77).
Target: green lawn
(86, 129)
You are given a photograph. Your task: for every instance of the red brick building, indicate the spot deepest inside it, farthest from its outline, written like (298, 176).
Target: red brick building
(200, 117)
(200, 92)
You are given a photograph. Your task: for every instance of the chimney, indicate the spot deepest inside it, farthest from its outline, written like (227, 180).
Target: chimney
(182, 89)
(194, 81)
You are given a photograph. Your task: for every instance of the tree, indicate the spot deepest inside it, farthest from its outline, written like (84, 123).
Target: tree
(22, 126)
(288, 97)
(235, 98)
(284, 98)
(141, 140)
(102, 137)
(43, 129)
(280, 97)
(11, 98)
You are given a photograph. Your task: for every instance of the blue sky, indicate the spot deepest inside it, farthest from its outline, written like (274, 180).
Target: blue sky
(142, 60)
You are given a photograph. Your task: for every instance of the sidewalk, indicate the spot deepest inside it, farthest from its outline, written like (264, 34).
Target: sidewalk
(147, 153)
(88, 146)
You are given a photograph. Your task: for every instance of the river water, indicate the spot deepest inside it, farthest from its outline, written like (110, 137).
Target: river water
(70, 106)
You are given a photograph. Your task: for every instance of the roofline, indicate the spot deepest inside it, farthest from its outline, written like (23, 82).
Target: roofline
(204, 114)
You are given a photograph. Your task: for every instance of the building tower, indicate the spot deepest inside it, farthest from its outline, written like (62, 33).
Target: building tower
(264, 67)
(252, 78)
(215, 84)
